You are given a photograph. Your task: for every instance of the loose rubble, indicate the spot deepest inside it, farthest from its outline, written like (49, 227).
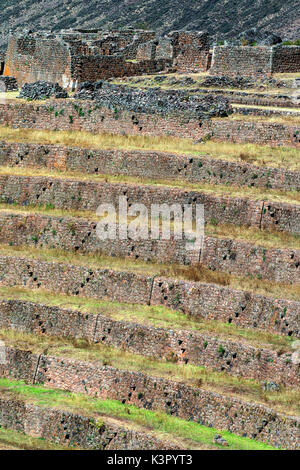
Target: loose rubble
(154, 100)
(41, 90)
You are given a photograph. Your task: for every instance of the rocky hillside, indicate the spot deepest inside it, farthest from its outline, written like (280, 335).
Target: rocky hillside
(224, 18)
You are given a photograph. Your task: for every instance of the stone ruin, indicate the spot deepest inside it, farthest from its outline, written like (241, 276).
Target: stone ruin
(75, 56)
(72, 57)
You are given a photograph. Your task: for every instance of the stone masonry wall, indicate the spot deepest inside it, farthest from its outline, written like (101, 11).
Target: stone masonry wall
(73, 430)
(218, 254)
(190, 51)
(286, 59)
(200, 300)
(155, 393)
(93, 68)
(29, 59)
(203, 349)
(241, 60)
(255, 60)
(80, 194)
(147, 164)
(71, 115)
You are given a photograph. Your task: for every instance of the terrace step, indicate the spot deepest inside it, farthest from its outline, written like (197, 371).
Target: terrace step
(88, 194)
(236, 354)
(68, 429)
(111, 416)
(252, 98)
(146, 285)
(149, 164)
(224, 254)
(138, 388)
(88, 116)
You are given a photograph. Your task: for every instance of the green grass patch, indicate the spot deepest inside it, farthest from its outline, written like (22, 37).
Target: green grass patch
(14, 440)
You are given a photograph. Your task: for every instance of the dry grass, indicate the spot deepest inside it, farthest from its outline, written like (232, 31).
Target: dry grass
(287, 400)
(287, 120)
(283, 157)
(265, 238)
(154, 316)
(191, 273)
(257, 194)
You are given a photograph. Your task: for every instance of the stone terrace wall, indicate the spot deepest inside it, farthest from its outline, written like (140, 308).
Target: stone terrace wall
(70, 115)
(260, 99)
(147, 164)
(218, 254)
(241, 60)
(255, 132)
(197, 299)
(195, 404)
(202, 349)
(72, 429)
(80, 235)
(76, 194)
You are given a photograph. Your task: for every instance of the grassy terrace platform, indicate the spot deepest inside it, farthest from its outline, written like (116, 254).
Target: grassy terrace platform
(153, 316)
(187, 434)
(278, 157)
(197, 274)
(14, 440)
(199, 378)
(255, 194)
(151, 347)
(264, 238)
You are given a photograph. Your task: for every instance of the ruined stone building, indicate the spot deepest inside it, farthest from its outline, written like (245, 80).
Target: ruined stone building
(72, 57)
